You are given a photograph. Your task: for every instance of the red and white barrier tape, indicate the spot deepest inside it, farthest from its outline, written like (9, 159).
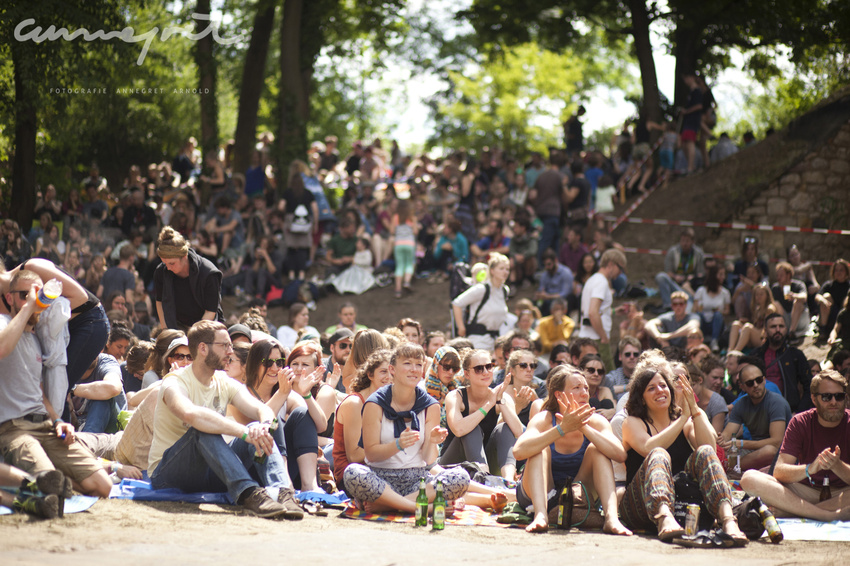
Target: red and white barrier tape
(729, 225)
(652, 251)
(625, 216)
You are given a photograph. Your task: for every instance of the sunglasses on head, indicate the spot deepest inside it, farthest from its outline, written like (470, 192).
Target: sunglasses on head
(526, 365)
(759, 380)
(827, 397)
(451, 368)
(631, 354)
(181, 357)
(597, 371)
(268, 362)
(483, 367)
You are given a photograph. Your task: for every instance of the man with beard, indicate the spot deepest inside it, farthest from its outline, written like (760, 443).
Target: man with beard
(763, 412)
(29, 438)
(786, 366)
(188, 451)
(816, 447)
(618, 379)
(340, 347)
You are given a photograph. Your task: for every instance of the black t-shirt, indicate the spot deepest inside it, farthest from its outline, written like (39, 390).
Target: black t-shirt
(797, 287)
(583, 197)
(838, 292)
(190, 309)
(693, 120)
(292, 201)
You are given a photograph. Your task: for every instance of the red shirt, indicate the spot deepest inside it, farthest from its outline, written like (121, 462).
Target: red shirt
(805, 438)
(773, 373)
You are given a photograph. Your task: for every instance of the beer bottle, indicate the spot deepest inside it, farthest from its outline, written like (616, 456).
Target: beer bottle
(769, 521)
(439, 522)
(825, 492)
(421, 505)
(565, 508)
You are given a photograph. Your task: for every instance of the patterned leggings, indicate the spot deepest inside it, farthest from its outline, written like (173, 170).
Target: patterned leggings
(366, 483)
(653, 486)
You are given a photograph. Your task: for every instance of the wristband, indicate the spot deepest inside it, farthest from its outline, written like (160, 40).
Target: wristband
(245, 435)
(307, 396)
(483, 412)
(560, 430)
(398, 444)
(57, 422)
(741, 446)
(808, 476)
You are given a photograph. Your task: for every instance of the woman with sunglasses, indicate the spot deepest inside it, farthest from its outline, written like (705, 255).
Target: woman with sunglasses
(523, 386)
(348, 427)
(442, 377)
(481, 419)
(285, 386)
(601, 397)
(236, 364)
(567, 442)
(158, 364)
(664, 434)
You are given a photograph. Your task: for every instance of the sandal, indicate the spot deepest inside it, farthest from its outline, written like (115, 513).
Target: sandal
(669, 535)
(314, 508)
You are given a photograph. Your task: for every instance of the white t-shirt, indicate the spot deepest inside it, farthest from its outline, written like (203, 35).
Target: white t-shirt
(597, 287)
(715, 302)
(605, 199)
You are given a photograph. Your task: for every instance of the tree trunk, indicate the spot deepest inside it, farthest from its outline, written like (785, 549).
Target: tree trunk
(253, 76)
(26, 127)
(293, 100)
(643, 50)
(205, 59)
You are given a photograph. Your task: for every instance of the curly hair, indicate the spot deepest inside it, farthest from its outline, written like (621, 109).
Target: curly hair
(363, 379)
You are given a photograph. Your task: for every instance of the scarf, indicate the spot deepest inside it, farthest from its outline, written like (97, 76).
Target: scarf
(433, 385)
(383, 397)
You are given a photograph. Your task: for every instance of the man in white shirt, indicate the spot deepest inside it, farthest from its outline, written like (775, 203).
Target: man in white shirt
(596, 302)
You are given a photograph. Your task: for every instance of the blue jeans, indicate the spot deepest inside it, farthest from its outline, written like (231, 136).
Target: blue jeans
(550, 235)
(711, 324)
(89, 332)
(103, 415)
(666, 287)
(200, 461)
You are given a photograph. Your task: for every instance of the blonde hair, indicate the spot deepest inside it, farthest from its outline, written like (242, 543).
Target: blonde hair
(171, 244)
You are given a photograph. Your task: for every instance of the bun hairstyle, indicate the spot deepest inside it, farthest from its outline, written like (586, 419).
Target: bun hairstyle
(171, 244)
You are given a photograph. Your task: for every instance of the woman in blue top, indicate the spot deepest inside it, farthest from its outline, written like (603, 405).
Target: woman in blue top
(568, 441)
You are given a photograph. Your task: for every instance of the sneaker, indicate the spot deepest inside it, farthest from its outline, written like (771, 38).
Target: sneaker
(292, 511)
(50, 482)
(44, 507)
(715, 347)
(258, 502)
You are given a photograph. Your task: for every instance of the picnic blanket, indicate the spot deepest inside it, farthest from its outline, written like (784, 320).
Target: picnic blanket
(469, 516)
(141, 490)
(809, 529)
(76, 504)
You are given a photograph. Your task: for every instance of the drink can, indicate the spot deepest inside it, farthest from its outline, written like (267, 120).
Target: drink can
(692, 519)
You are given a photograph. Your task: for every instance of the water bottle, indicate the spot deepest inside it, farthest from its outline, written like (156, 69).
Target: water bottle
(48, 293)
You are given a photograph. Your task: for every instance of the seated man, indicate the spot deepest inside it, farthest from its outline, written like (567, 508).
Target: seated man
(556, 281)
(765, 415)
(523, 253)
(29, 438)
(556, 328)
(790, 296)
(816, 447)
(492, 241)
(188, 451)
(342, 247)
(672, 328)
(683, 269)
(99, 396)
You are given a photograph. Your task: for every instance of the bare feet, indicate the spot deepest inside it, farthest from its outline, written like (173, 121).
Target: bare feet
(540, 524)
(613, 526)
(498, 502)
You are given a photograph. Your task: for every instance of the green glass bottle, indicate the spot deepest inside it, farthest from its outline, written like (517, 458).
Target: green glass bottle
(261, 458)
(421, 505)
(439, 521)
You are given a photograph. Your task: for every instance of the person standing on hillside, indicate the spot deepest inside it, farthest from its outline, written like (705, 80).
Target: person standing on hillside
(691, 119)
(546, 196)
(596, 302)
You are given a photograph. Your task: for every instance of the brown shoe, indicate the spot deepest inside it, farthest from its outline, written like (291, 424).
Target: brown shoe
(258, 502)
(293, 511)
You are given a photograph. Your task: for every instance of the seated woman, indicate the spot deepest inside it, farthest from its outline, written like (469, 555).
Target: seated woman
(481, 419)
(401, 432)
(711, 303)
(299, 318)
(564, 442)
(748, 335)
(370, 377)
(664, 434)
(365, 342)
(441, 378)
(601, 397)
(523, 386)
(171, 351)
(285, 386)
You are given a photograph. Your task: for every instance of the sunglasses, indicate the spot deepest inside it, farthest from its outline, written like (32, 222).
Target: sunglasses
(268, 362)
(597, 371)
(631, 354)
(483, 367)
(181, 357)
(827, 397)
(526, 365)
(451, 368)
(343, 345)
(750, 383)
(678, 303)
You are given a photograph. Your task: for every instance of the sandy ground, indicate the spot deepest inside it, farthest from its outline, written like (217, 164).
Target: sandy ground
(129, 533)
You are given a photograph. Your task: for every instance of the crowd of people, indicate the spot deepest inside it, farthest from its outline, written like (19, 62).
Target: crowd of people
(132, 372)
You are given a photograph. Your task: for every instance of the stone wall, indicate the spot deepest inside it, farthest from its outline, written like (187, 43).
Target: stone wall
(814, 193)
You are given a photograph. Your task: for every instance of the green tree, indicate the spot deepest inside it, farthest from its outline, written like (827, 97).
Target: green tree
(517, 103)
